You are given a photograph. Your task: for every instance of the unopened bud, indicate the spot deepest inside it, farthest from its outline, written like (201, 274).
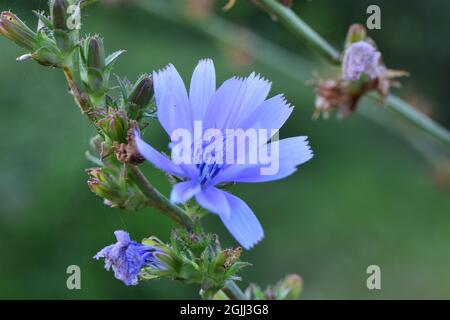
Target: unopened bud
(115, 188)
(15, 30)
(95, 52)
(142, 92)
(58, 9)
(356, 32)
(47, 57)
(103, 184)
(115, 125)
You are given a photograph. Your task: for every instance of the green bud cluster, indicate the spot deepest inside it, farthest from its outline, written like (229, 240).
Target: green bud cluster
(196, 258)
(115, 188)
(41, 46)
(96, 67)
(115, 125)
(137, 97)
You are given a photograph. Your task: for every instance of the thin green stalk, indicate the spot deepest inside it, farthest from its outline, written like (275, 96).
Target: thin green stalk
(290, 19)
(158, 200)
(294, 67)
(233, 292)
(294, 23)
(406, 111)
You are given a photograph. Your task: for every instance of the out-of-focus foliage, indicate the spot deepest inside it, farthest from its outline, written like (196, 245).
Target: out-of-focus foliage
(367, 198)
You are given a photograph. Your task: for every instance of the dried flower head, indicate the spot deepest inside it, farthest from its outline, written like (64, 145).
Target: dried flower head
(361, 58)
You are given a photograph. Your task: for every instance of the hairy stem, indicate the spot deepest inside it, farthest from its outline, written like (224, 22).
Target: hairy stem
(296, 25)
(81, 99)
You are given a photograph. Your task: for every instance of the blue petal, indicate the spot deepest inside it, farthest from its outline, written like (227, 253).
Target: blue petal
(256, 91)
(183, 191)
(240, 221)
(202, 88)
(159, 160)
(292, 152)
(235, 100)
(270, 115)
(224, 105)
(122, 236)
(171, 100)
(213, 200)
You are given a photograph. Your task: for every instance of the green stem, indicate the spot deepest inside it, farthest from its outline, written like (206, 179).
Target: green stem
(158, 200)
(301, 29)
(233, 292)
(403, 109)
(397, 105)
(81, 99)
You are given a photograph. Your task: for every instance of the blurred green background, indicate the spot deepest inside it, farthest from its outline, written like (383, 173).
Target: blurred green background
(366, 198)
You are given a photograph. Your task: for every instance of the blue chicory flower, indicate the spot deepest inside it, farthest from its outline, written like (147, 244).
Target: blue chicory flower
(127, 258)
(236, 104)
(361, 58)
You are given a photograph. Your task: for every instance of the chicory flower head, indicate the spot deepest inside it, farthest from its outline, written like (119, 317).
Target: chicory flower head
(236, 104)
(362, 58)
(127, 258)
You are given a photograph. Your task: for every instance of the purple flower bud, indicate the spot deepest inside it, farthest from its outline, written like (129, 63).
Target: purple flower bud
(95, 53)
(362, 58)
(59, 14)
(127, 258)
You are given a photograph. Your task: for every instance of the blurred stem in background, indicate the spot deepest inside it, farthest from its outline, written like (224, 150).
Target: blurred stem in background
(296, 25)
(229, 34)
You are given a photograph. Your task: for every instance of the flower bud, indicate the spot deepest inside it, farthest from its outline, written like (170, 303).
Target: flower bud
(15, 30)
(58, 9)
(117, 191)
(356, 32)
(47, 57)
(95, 53)
(115, 125)
(289, 288)
(142, 92)
(102, 184)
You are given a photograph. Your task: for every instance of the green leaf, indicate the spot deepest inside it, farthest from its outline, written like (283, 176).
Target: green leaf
(125, 88)
(95, 80)
(46, 21)
(63, 41)
(111, 59)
